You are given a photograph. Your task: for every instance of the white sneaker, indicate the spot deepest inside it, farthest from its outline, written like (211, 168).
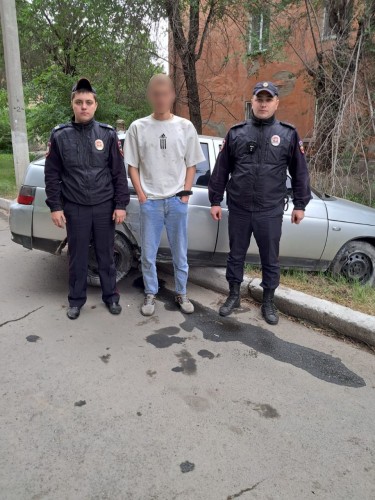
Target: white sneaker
(185, 305)
(148, 306)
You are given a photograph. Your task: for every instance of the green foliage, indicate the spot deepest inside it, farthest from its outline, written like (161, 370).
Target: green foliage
(5, 134)
(106, 41)
(8, 188)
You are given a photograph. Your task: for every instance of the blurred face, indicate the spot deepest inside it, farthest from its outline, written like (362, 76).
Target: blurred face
(161, 96)
(264, 105)
(84, 106)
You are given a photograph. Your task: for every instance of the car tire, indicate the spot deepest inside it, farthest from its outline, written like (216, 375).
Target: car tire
(356, 262)
(123, 261)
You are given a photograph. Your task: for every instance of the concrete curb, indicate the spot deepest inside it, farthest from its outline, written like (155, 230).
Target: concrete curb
(353, 324)
(5, 204)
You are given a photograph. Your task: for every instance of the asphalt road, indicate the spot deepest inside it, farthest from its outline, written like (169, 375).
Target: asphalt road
(172, 407)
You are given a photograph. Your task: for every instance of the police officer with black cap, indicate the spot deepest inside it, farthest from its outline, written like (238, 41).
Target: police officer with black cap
(252, 167)
(87, 189)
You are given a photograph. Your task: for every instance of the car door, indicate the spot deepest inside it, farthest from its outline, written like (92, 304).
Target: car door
(302, 245)
(201, 231)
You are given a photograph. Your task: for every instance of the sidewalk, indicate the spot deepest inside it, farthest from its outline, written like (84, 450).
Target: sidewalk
(5, 204)
(343, 320)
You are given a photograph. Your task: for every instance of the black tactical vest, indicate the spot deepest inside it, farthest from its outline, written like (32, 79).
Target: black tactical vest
(260, 151)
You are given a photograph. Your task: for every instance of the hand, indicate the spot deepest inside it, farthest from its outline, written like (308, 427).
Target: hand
(184, 199)
(142, 198)
(58, 218)
(297, 216)
(216, 213)
(119, 216)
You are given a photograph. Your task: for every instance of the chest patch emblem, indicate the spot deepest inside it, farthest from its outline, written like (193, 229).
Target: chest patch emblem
(163, 141)
(99, 144)
(275, 140)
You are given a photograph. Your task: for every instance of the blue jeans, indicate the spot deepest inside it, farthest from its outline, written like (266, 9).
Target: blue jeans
(155, 214)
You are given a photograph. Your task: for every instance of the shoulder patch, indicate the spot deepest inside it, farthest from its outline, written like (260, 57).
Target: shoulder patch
(241, 124)
(286, 124)
(105, 125)
(61, 126)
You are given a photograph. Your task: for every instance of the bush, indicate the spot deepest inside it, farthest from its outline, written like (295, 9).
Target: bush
(5, 131)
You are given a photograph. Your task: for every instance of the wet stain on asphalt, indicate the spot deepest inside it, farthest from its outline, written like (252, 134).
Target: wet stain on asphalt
(169, 330)
(206, 354)
(161, 341)
(151, 373)
(187, 466)
(265, 410)
(105, 358)
(216, 329)
(32, 338)
(187, 362)
(139, 413)
(82, 402)
(177, 369)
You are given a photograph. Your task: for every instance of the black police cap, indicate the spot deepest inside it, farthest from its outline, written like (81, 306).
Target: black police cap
(83, 84)
(266, 87)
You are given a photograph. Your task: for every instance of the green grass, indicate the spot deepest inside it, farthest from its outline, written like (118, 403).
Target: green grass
(8, 188)
(325, 286)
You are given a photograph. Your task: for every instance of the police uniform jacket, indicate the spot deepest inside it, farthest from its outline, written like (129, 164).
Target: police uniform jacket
(85, 165)
(252, 166)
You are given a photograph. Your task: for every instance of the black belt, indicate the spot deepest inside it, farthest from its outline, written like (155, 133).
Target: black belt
(184, 193)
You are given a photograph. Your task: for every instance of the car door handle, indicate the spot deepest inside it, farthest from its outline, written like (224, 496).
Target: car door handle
(336, 228)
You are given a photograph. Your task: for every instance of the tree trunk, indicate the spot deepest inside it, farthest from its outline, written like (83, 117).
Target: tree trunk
(190, 74)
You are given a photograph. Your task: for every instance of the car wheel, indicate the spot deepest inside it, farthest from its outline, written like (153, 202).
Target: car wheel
(356, 262)
(123, 261)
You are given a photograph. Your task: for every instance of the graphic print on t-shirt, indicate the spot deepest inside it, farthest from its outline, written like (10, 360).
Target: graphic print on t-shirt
(163, 141)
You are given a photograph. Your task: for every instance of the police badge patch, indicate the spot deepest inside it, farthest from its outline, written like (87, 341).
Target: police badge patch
(302, 149)
(275, 140)
(99, 144)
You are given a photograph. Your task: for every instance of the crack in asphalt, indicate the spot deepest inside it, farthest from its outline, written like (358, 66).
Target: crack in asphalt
(22, 317)
(236, 495)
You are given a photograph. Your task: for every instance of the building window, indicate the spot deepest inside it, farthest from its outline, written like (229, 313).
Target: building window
(259, 31)
(247, 110)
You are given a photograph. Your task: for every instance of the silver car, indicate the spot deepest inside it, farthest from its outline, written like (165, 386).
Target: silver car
(336, 234)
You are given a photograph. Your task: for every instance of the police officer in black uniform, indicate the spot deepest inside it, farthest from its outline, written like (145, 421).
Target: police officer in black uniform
(252, 167)
(87, 189)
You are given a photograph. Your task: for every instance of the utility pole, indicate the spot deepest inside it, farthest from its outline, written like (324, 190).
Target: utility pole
(16, 101)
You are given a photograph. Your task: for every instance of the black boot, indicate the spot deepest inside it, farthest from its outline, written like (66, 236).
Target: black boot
(233, 301)
(114, 307)
(269, 311)
(73, 312)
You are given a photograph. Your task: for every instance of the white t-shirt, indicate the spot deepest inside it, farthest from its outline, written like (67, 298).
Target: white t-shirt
(162, 150)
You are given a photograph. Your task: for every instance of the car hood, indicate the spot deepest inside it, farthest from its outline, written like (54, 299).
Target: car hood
(347, 211)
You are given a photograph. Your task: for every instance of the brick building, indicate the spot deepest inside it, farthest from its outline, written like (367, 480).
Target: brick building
(232, 64)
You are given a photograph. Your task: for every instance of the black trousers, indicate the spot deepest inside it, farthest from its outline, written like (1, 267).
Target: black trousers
(82, 222)
(266, 228)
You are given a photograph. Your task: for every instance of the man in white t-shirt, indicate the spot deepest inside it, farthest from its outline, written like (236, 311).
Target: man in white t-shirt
(161, 151)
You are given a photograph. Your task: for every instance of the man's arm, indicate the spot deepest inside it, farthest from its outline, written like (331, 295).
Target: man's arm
(118, 171)
(189, 180)
(52, 177)
(300, 179)
(136, 181)
(219, 180)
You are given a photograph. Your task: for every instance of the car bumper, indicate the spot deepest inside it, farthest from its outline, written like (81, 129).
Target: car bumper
(21, 223)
